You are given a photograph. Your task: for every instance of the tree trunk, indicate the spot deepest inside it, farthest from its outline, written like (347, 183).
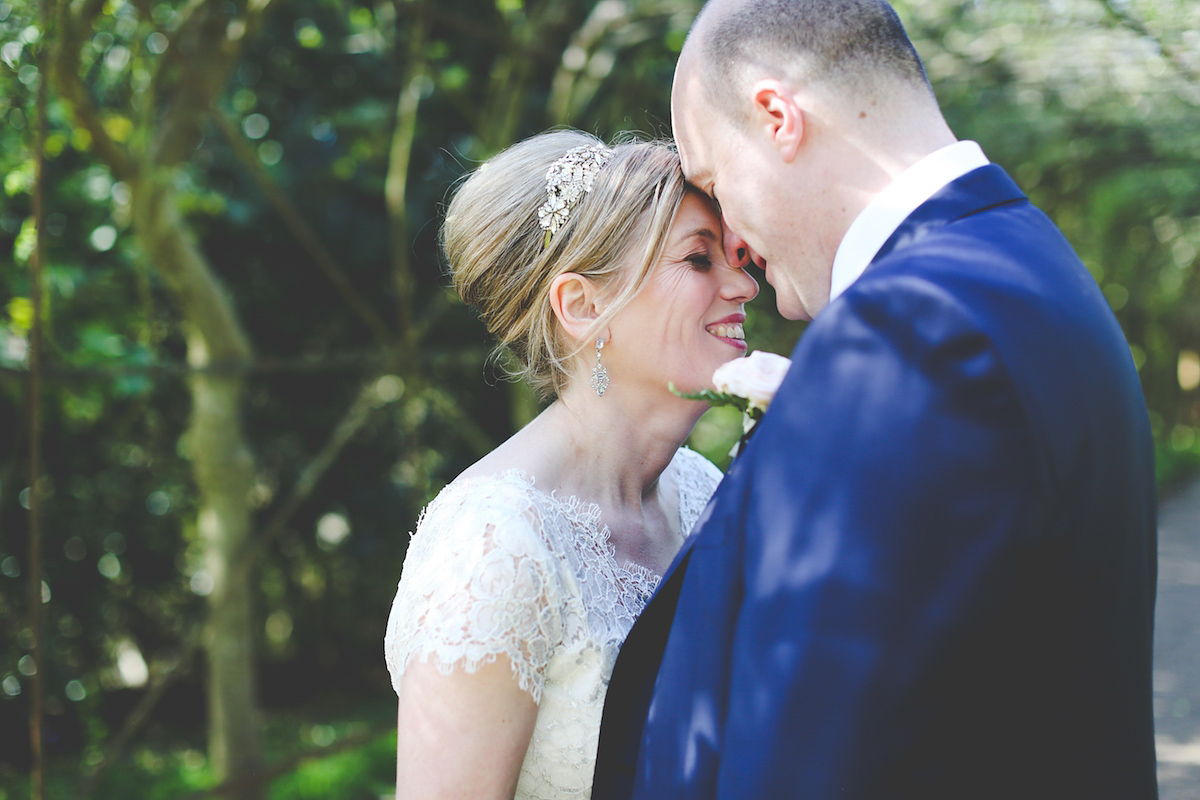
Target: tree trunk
(224, 471)
(223, 467)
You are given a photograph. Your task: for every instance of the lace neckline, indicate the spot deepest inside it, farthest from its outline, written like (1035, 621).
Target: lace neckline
(585, 516)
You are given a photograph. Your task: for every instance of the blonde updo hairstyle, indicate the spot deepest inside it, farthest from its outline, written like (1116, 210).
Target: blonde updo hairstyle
(494, 244)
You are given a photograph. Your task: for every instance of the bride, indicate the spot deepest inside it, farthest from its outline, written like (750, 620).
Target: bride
(602, 274)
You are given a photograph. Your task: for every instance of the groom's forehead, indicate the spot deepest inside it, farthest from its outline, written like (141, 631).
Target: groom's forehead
(691, 158)
(692, 120)
(705, 148)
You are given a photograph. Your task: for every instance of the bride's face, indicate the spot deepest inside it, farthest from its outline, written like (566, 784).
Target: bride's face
(687, 319)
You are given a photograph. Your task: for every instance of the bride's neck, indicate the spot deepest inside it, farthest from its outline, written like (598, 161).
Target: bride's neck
(613, 449)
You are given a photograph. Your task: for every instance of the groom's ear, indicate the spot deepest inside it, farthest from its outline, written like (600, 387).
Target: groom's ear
(778, 114)
(576, 303)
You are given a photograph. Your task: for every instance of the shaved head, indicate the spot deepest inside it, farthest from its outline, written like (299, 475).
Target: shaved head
(793, 114)
(856, 48)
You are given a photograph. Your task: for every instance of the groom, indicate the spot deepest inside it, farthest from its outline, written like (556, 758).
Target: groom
(930, 574)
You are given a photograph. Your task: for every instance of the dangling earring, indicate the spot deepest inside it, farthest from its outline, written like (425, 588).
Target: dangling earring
(599, 373)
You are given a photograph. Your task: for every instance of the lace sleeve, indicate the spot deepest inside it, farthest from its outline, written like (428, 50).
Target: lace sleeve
(478, 582)
(697, 478)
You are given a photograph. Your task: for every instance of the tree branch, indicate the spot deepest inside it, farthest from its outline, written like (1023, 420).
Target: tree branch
(175, 669)
(367, 400)
(617, 26)
(396, 184)
(371, 360)
(74, 21)
(1173, 54)
(303, 232)
(36, 357)
(168, 244)
(603, 18)
(512, 72)
(433, 312)
(466, 428)
(82, 14)
(209, 44)
(495, 35)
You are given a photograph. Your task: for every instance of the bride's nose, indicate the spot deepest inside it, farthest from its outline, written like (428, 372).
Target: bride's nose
(740, 286)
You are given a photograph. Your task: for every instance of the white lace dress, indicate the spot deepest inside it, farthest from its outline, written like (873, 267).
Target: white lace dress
(498, 567)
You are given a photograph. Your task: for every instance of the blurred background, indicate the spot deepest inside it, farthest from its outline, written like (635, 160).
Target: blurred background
(252, 374)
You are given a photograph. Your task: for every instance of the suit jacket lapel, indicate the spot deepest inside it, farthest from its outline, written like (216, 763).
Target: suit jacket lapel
(631, 686)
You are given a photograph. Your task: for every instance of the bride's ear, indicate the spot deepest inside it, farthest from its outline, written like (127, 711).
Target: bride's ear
(576, 302)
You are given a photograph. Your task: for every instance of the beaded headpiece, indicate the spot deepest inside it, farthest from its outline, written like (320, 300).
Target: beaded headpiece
(568, 179)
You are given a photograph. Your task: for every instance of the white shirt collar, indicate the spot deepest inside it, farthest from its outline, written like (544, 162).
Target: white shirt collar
(879, 220)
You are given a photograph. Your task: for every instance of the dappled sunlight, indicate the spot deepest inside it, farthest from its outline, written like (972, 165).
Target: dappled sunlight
(253, 374)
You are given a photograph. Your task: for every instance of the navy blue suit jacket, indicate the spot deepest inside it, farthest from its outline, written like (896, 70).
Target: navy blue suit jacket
(930, 573)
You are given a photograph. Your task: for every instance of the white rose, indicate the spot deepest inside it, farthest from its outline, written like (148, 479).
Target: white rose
(755, 377)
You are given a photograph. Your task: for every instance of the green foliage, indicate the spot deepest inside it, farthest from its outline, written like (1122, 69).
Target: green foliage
(1097, 120)
(364, 772)
(365, 769)
(741, 404)
(716, 433)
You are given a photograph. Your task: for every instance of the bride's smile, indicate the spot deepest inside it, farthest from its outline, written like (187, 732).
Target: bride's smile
(689, 317)
(730, 330)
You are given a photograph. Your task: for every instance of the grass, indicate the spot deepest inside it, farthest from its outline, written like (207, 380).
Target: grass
(363, 771)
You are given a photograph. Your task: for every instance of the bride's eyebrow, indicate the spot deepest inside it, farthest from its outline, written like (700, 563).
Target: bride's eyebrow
(703, 233)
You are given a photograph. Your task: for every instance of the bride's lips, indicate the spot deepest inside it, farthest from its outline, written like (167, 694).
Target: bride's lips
(729, 330)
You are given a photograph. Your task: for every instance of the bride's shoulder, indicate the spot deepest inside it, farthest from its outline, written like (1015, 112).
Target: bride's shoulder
(474, 515)
(476, 487)
(691, 467)
(478, 581)
(499, 497)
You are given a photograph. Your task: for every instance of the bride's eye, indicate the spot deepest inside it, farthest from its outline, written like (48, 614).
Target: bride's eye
(700, 261)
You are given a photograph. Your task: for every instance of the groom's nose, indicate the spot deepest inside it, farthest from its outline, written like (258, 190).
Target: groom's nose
(737, 252)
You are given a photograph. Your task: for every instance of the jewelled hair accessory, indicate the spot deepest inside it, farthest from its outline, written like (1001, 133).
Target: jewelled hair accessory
(568, 179)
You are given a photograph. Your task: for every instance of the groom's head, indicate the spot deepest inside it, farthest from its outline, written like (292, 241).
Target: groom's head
(793, 114)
